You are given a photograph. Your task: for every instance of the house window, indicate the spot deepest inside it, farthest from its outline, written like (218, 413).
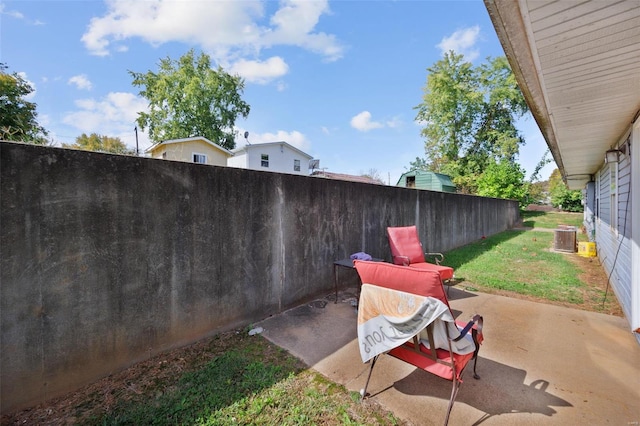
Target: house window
(296, 165)
(199, 158)
(264, 160)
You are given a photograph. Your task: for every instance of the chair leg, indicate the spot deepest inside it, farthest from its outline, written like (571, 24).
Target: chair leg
(475, 361)
(454, 394)
(474, 333)
(363, 392)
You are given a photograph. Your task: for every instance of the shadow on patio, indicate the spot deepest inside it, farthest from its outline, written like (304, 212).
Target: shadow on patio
(539, 364)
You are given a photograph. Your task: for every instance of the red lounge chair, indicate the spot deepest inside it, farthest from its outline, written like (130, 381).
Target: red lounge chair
(405, 282)
(406, 250)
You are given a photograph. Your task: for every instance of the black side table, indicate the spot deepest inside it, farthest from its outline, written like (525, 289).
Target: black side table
(346, 263)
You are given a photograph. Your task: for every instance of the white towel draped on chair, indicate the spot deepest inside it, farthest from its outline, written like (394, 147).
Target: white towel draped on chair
(388, 318)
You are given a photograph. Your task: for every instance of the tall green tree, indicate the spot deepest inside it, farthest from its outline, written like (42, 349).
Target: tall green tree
(451, 102)
(100, 143)
(505, 180)
(539, 192)
(18, 116)
(563, 197)
(188, 98)
(469, 116)
(503, 104)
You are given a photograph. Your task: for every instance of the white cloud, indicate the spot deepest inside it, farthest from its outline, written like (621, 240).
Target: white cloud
(114, 115)
(19, 15)
(260, 72)
(394, 123)
(210, 24)
(462, 41)
(294, 23)
(44, 120)
(226, 29)
(363, 123)
(81, 82)
(11, 13)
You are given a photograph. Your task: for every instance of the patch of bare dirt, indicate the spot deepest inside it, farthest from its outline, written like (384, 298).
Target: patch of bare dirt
(598, 295)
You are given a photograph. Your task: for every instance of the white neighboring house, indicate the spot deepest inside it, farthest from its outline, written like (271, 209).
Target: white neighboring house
(193, 150)
(273, 157)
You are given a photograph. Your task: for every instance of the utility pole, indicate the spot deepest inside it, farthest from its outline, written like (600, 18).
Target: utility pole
(136, 129)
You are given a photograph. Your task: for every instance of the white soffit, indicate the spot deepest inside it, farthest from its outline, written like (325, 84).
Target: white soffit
(578, 63)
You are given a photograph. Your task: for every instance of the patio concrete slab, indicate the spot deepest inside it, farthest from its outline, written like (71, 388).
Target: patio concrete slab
(539, 364)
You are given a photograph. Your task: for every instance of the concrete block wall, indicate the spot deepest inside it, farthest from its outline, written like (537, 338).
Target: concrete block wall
(107, 260)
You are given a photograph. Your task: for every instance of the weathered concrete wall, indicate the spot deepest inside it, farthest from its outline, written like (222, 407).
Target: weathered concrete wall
(107, 260)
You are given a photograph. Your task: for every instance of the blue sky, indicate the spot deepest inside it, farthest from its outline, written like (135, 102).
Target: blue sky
(338, 79)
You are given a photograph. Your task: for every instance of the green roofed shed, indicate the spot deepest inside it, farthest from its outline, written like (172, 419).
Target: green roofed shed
(422, 179)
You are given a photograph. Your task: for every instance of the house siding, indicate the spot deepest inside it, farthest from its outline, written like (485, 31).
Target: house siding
(613, 212)
(281, 159)
(427, 180)
(622, 275)
(184, 151)
(635, 229)
(239, 160)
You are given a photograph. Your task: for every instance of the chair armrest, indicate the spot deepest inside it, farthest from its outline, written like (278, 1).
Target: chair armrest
(475, 321)
(475, 325)
(438, 257)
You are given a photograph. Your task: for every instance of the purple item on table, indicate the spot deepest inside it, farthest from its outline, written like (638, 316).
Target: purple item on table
(360, 256)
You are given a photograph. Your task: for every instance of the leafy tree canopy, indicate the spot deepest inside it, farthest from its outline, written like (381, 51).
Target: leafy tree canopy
(188, 98)
(99, 143)
(563, 197)
(504, 180)
(539, 192)
(469, 116)
(18, 116)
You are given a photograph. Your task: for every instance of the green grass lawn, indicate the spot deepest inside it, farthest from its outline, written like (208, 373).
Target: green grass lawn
(230, 379)
(239, 388)
(521, 262)
(551, 220)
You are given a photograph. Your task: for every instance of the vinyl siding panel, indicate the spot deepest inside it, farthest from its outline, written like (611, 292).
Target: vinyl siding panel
(613, 228)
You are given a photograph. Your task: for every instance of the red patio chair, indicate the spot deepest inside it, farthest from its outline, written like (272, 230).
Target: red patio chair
(406, 250)
(417, 350)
